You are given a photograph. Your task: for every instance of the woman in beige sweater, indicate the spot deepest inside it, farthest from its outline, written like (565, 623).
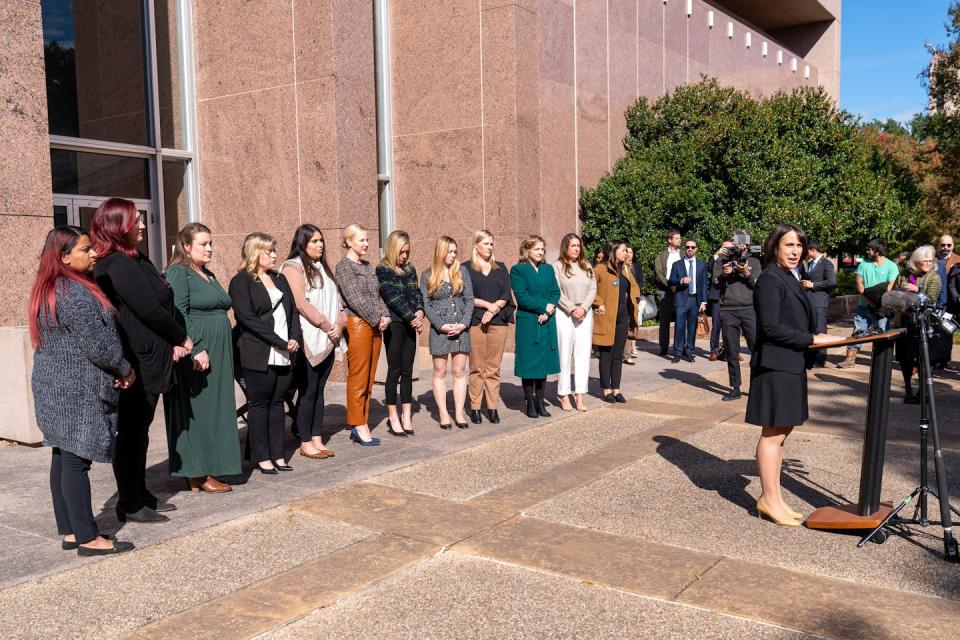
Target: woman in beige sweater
(578, 288)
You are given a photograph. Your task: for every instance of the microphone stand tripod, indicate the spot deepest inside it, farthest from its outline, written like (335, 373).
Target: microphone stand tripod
(928, 424)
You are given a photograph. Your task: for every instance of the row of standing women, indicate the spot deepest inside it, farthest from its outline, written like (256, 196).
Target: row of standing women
(112, 335)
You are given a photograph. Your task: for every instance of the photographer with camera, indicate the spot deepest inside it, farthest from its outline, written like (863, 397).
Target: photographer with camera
(735, 272)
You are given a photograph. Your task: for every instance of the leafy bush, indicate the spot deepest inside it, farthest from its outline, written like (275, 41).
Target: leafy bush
(846, 283)
(708, 159)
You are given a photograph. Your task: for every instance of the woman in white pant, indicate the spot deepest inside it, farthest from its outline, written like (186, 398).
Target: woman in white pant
(578, 288)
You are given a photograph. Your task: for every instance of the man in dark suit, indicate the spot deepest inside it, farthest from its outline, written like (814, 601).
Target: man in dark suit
(818, 280)
(662, 267)
(688, 282)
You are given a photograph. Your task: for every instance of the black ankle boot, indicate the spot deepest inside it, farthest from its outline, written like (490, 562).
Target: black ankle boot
(532, 408)
(529, 396)
(538, 397)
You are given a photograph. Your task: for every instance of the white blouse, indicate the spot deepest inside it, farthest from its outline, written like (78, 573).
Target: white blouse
(277, 357)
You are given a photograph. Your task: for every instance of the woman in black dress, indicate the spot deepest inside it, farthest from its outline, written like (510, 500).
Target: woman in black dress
(786, 327)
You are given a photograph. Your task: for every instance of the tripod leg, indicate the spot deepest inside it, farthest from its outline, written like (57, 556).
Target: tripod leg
(890, 516)
(950, 551)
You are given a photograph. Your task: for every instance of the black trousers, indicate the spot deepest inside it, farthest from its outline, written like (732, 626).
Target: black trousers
(134, 414)
(821, 316)
(401, 341)
(311, 382)
(70, 488)
(611, 358)
(715, 327)
(265, 428)
(665, 316)
(737, 322)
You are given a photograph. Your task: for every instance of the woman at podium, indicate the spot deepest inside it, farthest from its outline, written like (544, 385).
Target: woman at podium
(786, 327)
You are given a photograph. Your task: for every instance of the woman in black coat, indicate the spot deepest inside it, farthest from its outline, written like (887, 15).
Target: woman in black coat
(786, 327)
(153, 338)
(267, 335)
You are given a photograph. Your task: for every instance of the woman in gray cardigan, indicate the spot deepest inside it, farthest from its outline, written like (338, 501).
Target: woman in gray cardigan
(448, 303)
(78, 371)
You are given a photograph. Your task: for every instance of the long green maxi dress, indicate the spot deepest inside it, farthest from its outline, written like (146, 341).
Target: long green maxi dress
(201, 409)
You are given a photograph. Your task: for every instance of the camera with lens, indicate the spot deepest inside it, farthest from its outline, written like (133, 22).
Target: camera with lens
(936, 315)
(740, 252)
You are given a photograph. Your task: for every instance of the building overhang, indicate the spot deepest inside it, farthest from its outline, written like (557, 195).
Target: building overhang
(773, 15)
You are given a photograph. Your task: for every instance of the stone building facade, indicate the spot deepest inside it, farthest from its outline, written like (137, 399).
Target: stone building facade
(261, 115)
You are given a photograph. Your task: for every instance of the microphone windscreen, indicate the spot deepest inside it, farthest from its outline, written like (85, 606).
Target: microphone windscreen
(898, 301)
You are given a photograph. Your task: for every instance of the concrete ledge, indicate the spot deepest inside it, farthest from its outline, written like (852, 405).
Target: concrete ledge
(18, 422)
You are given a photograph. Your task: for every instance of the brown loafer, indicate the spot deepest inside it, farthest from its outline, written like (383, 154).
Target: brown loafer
(209, 485)
(319, 455)
(713, 356)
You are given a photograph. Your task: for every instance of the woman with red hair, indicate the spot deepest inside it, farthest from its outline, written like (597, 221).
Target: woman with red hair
(153, 338)
(78, 368)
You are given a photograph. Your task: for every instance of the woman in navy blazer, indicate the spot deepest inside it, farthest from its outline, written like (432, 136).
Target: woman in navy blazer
(786, 327)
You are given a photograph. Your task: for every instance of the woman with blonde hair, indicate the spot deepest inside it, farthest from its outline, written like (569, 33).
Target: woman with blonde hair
(367, 318)
(401, 293)
(268, 335)
(201, 409)
(492, 312)
(322, 320)
(448, 302)
(578, 288)
(537, 292)
(921, 277)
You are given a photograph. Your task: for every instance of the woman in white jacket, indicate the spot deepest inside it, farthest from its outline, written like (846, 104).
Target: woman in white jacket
(322, 319)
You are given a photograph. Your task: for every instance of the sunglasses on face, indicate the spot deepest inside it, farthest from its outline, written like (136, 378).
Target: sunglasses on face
(946, 246)
(691, 246)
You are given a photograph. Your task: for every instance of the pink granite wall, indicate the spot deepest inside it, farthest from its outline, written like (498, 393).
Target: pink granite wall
(26, 208)
(502, 110)
(286, 119)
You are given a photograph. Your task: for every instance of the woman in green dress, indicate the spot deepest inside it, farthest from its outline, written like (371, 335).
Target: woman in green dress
(535, 287)
(201, 410)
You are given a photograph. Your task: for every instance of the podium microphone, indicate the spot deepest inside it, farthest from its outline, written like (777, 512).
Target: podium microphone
(899, 301)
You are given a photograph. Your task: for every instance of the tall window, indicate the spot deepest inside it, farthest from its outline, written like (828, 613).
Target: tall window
(120, 108)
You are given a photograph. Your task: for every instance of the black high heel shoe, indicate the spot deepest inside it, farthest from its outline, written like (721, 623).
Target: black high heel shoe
(461, 425)
(399, 434)
(269, 471)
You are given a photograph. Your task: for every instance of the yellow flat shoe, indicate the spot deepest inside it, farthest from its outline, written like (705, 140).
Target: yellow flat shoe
(763, 511)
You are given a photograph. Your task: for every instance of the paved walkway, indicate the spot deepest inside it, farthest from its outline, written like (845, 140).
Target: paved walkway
(625, 522)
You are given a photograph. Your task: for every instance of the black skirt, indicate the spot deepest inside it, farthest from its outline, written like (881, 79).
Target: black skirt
(777, 398)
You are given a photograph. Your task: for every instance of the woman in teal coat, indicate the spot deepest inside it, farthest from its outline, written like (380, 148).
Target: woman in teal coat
(537, 292)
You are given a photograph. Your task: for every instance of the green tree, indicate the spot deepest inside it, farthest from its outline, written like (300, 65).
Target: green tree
(709, 159)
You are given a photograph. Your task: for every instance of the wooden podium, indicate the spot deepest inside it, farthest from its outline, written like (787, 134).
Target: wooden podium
(868, 512)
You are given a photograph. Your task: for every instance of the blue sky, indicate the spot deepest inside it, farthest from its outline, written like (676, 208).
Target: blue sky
(882, 54)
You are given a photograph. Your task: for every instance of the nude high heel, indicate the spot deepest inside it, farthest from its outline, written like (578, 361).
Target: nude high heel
(763, 511)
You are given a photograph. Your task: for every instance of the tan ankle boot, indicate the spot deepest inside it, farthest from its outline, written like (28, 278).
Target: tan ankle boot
(850, 360)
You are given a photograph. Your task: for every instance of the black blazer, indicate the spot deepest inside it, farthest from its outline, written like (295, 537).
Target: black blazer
(254, 335)
(824, 279)
(785, 322)
(148, 321)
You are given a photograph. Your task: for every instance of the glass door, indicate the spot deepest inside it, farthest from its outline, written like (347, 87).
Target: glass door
(78, 211)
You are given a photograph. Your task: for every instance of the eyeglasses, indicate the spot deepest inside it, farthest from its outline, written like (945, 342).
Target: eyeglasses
(691, 246)
(946, 246)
